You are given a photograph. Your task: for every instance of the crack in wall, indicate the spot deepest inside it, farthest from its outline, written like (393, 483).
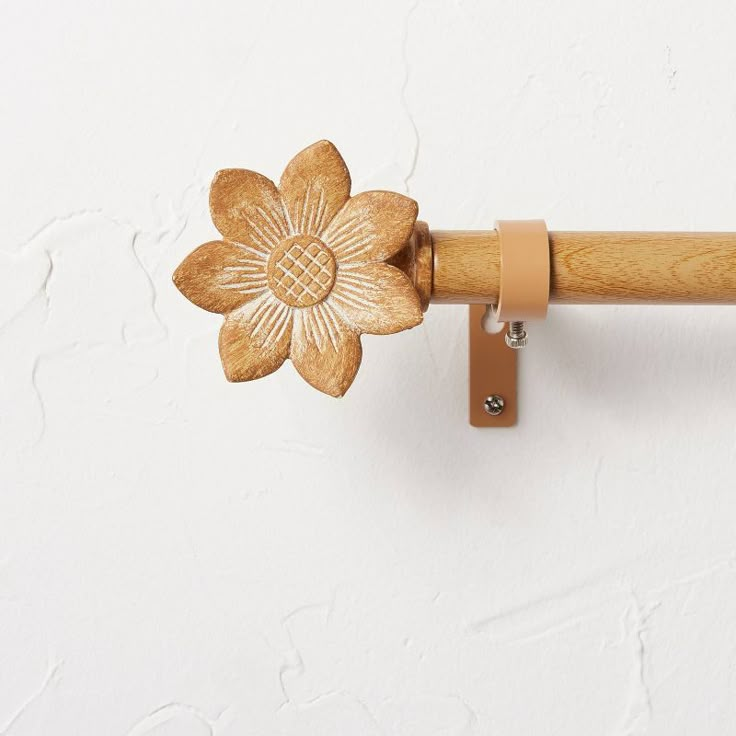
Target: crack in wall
(293, 664)
(52, 676)
(639, 711)
(153, 304)
(171, 712)
(404, 99)
(56, 344)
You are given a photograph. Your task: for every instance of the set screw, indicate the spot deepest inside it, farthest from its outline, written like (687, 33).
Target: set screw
(516, 336)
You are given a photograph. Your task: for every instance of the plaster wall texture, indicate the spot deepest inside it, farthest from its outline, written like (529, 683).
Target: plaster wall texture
(184, 557)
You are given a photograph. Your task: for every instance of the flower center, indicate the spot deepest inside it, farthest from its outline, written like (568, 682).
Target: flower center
(301, 271)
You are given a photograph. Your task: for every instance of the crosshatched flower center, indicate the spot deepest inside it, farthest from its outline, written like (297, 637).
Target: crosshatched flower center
(301, 271)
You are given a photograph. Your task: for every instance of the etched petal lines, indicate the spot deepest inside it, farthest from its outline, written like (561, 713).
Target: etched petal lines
(254, 341)
(325, 352)
(247, 208)
(371, 227)
(220, 277)
(376, 298)
(315, 185)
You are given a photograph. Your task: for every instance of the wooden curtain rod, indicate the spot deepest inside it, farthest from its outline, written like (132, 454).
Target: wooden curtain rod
(303, 268)
(589, 267)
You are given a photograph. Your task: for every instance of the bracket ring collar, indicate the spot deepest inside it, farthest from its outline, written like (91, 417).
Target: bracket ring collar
(525, 270)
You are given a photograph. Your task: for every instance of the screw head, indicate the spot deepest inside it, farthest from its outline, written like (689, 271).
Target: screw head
(494, 405)
(517, 342)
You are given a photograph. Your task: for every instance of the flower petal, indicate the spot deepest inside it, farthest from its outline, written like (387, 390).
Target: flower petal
(372, 226)
(254, 341)
(246, 207)
(315, 185)
(220, 276)
(376, 298)
(324, 350)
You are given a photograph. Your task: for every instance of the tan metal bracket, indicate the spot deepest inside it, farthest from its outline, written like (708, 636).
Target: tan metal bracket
(523, 295)
(492, 368)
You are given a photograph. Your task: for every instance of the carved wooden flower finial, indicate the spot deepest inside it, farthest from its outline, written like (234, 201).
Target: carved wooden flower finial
(300, 272)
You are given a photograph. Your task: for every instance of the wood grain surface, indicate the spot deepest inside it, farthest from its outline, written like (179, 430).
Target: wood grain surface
(596, 267)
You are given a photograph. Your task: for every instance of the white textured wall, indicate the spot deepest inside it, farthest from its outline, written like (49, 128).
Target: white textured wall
(184, 557)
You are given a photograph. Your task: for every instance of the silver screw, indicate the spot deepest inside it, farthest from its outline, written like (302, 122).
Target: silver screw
(516, 337)
(494, 405)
